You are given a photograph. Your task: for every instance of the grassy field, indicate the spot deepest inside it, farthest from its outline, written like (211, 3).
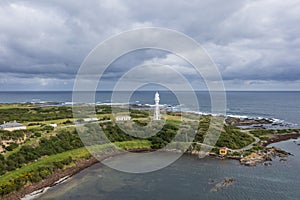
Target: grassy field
(135, 144)
(8, 106)
(76, 154)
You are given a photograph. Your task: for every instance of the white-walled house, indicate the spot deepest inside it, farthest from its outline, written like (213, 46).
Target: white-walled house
(123, 118)
(90, 119)
(12, 126)
(53, 125)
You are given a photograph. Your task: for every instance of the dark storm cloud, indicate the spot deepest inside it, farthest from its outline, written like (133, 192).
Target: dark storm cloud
(254, 41)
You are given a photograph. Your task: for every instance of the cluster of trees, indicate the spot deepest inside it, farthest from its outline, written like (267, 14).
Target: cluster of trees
(35, 124)
(234, 138)
(18, 135)
(34, 175)
(11, 146)
(174, 113)
(203, 127)
(67, 122)
(14, 135)
(163, 137)
(141, 122)
(114, 133)
(103, 109)
(62, 142)
(104, 118)
(139, 113)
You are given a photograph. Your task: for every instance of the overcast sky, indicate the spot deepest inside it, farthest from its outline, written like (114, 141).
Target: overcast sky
(254, 43)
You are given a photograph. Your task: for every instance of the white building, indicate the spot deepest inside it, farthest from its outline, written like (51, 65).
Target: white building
(123, 118)
(90, 119)
(12, 126)
(157, 110)
(53, 125)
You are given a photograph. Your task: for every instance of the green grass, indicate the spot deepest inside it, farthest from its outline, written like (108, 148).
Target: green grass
(265, 132)
(135, 144)
(8, 106)
(76, 154)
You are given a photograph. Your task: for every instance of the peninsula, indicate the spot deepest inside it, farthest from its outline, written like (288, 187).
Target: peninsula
(48, 147)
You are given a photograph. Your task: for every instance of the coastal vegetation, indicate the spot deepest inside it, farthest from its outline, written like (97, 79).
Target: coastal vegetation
(39, 170)
(34, 114)
(64, 141)
(234, 138)
(264, 133)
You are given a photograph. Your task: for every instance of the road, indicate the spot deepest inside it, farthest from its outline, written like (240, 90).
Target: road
(250, 146)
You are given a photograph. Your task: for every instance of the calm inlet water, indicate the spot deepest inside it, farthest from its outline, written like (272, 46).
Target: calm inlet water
(188, 178)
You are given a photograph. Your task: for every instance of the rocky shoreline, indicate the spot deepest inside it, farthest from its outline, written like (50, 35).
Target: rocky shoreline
(267, 155)
(262, 156)
(281, 137)
(234, 121)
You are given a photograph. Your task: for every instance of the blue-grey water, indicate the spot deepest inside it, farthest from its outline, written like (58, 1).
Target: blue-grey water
(280, 105)
(188, 178)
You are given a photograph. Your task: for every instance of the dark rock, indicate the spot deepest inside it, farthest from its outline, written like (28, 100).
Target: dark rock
(225, 183)
(283, 159)
(268, 158)
(267, 163)
(247, 122)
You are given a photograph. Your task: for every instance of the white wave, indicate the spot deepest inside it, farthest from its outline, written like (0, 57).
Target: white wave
(238, 116)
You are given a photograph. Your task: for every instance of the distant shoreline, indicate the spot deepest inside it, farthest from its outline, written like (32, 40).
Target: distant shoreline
(255, 121)
(279, 138)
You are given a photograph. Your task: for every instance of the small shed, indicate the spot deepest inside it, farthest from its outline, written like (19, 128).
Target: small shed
(223, 151)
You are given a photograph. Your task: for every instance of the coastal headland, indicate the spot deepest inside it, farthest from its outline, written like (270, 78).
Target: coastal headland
(50, 148)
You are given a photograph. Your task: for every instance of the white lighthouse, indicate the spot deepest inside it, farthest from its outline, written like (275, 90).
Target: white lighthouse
(156, 111)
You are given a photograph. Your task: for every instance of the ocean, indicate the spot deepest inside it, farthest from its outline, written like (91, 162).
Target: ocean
(283, 106)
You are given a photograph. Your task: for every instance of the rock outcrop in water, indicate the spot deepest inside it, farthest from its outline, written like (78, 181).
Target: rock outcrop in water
(267, 155)
(223, 184)
(246, 121)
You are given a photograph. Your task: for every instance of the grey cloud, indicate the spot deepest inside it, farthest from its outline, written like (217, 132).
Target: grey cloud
(255, 40)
